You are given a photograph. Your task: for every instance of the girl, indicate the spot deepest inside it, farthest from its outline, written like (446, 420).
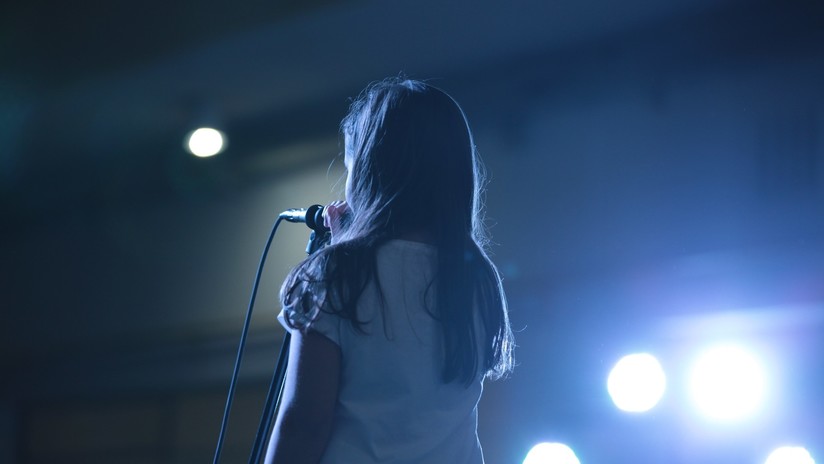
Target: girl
(398, 321)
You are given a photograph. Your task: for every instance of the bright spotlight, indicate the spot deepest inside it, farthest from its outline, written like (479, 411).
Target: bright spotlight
(790, 455)
(551, 453)
(727, 383)
(636, 383)
(205, 142)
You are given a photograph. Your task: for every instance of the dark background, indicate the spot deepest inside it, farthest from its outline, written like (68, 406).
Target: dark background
(656, 184)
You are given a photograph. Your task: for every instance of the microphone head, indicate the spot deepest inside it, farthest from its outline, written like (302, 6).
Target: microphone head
(314, 218)
(311, 216)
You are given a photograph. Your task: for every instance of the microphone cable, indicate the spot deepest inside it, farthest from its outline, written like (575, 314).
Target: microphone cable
(233, 384)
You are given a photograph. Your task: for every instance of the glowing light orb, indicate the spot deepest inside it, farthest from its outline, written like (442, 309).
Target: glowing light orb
(551, 453)
(790, 455)
(205, 142)
(727, 383)
(636, 383)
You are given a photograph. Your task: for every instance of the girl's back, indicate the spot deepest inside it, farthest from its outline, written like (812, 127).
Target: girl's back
(393, 405)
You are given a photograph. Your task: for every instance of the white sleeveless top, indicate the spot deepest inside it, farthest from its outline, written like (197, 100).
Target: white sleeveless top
(392, 405)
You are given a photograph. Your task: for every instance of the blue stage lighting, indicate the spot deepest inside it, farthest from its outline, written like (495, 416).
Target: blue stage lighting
(637, 382)
(727, 383)
(790, 455)
(551, 453)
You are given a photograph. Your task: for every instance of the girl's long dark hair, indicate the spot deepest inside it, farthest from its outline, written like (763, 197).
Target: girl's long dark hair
(413, 168)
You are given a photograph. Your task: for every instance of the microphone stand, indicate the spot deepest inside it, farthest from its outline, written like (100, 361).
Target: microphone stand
(316, 241)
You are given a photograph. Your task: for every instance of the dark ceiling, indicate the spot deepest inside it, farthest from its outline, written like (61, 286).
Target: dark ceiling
(48, 46)
(94, 99)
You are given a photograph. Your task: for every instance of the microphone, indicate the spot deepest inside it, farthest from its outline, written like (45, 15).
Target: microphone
(311, 216)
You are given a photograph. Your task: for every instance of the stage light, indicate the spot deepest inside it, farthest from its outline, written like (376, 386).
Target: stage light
(727, 383)
(551, 453)
(790, 455)
(205, 142)
(636, 383)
